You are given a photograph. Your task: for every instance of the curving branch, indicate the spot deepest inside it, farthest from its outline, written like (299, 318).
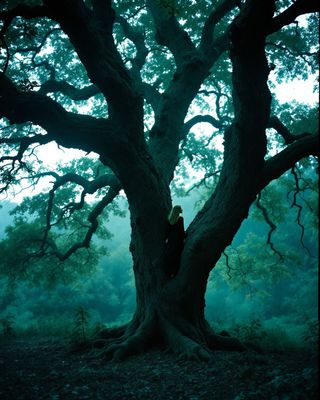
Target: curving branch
(76, 94)
(216, 15)
(11, 165)
(48, 246)
(275, 123)
(85, 243)
(169, 32)
(91, 33)
(272, 226)
(25, 11)
(202, 118)
(287, 158)
(66, 128)
(137, 38)
(298, 206)
(287, 17)
(294, 53)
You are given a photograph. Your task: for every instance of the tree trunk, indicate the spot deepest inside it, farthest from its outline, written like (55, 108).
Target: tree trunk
(169, 311)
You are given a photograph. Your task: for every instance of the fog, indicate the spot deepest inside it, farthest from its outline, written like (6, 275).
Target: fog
(251, 292)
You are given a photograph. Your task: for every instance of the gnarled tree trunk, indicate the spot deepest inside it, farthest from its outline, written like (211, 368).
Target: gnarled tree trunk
(171, 310)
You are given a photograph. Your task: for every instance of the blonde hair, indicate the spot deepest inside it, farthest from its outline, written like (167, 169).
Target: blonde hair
(174, 215)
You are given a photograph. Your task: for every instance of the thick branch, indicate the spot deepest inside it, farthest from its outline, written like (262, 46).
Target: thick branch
(299, 7)
(52, 86)
(91, 35)
(66, 128)
(138, 39)
(275, 123)
(24, 11)
(286, 159)
(169, 33)
(152, 96)
(214, 18)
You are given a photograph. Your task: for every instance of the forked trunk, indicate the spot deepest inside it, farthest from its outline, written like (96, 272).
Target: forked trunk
(169, 312)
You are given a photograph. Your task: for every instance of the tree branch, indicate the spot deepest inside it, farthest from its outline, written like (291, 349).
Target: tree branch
(169, 33)
(27, 12)
(137, 39)
(275, 123)
(286, 159)
(53, 86)
(202, 118)
(85, 243)
(67, 129)
(48, 246)
(298, 206)
(287, 17)
(207, 37)
(90, 32)
(271, 225)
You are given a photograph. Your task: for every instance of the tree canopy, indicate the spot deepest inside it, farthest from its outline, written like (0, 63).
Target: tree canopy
(164, 97)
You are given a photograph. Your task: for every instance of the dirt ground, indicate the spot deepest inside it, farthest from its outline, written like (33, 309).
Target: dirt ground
(48, 370)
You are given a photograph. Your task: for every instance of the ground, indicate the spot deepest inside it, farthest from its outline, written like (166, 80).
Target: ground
(48, 370)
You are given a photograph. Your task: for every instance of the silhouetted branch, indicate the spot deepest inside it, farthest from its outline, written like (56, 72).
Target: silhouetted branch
(219, 11)
(272, 226)
(137, 39)
(48, 246)
(53, 86)
(169, 32)
(296, 53)
(298, 206)
(288, 137)
(202, 181)
(287, 158)
(25, 11)
(66, 128)
(287, 17)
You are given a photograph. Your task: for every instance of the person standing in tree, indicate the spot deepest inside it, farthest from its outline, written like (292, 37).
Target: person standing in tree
(174, 241)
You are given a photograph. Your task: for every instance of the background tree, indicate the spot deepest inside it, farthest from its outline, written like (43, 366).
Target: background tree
(151, 67)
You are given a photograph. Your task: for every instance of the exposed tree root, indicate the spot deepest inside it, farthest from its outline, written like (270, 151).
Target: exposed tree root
(120, 343)
(223, 341)
(178, 336)
(183, 345)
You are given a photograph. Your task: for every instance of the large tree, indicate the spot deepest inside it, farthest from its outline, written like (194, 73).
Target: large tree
(146, 70)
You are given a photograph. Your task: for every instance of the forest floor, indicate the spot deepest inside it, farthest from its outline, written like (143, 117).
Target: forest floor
(48, 370)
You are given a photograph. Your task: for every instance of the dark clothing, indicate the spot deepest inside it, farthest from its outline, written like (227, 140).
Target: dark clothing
(174, 245)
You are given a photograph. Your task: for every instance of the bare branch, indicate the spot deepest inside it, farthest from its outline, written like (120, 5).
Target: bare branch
(48, 247)
(202, 181)
(93, 220)
(272, 226)
(298, 206)
(303, 55)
